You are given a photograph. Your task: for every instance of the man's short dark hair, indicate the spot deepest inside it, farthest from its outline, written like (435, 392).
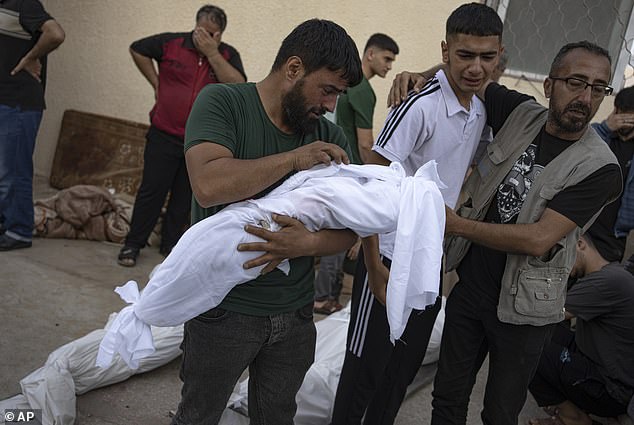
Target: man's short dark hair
(214, 13)
(624, 100)
(585, 45)
(474, 19)
(383, 42)
(322, 44)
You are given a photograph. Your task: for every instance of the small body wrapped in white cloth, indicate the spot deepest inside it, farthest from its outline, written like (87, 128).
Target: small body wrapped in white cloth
(205, 264)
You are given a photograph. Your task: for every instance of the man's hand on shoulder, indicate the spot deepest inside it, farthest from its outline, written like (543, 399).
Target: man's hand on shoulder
(402, 84)
(318, 152)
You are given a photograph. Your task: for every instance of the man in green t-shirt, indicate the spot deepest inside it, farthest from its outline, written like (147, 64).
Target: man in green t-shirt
(241, 140)
(354, 113)
(355, 108)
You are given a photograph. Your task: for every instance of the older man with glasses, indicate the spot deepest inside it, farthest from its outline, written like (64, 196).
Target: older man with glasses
(544, 178)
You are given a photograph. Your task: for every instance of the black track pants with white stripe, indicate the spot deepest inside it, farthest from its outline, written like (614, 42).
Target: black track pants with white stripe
(375, 373)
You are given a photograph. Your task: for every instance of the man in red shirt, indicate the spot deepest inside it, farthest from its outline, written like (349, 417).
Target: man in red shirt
(186, 63)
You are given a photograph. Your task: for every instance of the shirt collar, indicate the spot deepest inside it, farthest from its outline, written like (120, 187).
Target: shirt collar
(188, 41)
(451, 101)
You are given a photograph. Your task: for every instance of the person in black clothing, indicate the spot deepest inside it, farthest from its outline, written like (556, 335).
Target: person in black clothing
(590, 370)
(187, 62)
(576, 85)
(618, 132)
(27, 34)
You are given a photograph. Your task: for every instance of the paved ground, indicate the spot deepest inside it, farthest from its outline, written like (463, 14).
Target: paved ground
(59, 290)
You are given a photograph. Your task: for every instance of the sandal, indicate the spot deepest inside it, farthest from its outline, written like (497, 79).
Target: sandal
(127, 256)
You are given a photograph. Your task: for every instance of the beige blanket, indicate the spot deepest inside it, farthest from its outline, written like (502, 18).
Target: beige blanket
(83, 212)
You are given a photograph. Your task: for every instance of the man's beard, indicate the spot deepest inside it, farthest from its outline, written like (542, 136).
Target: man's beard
(296, 113)
(571, 124)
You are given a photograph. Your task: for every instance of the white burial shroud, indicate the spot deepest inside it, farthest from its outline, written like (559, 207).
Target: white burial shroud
(205, 264)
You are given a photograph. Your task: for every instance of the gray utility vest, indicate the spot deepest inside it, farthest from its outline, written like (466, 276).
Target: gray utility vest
(533, 288)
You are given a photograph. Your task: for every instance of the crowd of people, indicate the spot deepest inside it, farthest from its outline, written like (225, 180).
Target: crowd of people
(538, 206)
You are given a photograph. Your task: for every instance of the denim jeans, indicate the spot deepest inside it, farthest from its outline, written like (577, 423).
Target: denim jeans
(219, 345)
(18, 130)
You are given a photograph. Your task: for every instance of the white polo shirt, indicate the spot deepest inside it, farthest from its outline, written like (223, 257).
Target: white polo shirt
(432, 124)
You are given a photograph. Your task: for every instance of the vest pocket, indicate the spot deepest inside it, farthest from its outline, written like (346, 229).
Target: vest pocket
(540, 292)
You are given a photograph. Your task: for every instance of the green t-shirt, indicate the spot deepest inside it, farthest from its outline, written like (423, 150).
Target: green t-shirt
(233, 116)
(355, 109)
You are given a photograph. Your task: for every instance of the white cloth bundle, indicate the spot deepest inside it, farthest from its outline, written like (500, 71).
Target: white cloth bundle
(205, 264)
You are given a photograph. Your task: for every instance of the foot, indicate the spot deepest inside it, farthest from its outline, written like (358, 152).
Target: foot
(127, 256)
(7, 243)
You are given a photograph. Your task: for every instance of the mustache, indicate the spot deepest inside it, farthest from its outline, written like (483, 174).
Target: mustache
(578, 107)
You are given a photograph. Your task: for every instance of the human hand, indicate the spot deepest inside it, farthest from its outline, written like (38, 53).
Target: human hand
(290, 241)
(402, 84)
(307, 156)
(206, 43)
(353, 252)
(30, 65)
(620, 121)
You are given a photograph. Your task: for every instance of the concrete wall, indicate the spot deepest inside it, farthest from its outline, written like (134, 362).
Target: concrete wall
(93, 72)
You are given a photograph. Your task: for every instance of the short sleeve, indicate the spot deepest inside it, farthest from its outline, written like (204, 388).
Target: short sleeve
(152, 46)
(362, 101)
(404, 126)
(32, 16)
(500, 102)
(582, 201)
(211, 119)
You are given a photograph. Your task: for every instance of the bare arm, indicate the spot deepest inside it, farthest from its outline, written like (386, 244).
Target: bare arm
(365, 140)
(208, 46)
(378, 274)
(531, 239)
(148, 70)
(218, 178)
(52, 36)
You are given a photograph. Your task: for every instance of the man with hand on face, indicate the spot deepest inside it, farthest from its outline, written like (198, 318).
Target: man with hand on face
(610, 230)
(545, 177)
(444, 122)
(242, 140)
(187, 62)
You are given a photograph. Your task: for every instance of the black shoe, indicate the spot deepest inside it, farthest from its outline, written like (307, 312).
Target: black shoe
(2, 229)
(127, 256)
(7, 243)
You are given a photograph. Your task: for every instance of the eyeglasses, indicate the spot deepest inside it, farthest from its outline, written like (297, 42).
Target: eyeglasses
(576, 85)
